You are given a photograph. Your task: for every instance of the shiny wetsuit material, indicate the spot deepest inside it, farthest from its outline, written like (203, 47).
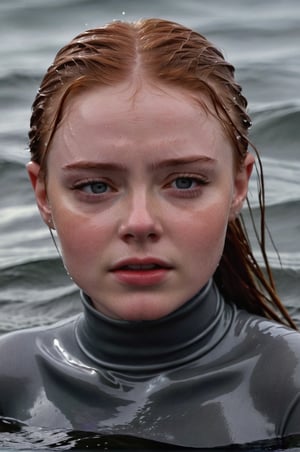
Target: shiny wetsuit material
(207, 375)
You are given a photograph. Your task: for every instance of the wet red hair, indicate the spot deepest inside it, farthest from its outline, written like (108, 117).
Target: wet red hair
(169, 53)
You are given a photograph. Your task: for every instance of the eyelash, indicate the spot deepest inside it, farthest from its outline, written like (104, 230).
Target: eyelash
(84, 184)
(189, 191)
(200, 181)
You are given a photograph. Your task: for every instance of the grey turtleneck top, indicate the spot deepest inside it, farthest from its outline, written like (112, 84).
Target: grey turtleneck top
(207, 375)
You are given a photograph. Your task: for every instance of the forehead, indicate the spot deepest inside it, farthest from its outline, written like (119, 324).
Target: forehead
(141, 115)
(133, 97)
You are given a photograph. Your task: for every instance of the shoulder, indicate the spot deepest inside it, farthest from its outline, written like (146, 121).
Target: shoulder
(23, 356)
(19, 347)
(276, 347)
(267, 330)
(266, 333)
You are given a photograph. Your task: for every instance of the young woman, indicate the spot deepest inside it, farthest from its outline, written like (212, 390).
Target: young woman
(140, 162)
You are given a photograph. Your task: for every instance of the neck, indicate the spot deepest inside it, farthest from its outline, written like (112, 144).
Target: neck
(187, 333)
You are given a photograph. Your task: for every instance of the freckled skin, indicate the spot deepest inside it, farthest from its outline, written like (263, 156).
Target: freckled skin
(140, 209)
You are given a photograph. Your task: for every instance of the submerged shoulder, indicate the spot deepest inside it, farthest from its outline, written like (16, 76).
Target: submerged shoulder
(23, 356)
(271, 352)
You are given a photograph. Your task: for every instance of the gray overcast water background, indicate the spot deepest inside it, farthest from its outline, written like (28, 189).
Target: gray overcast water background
(261, 38)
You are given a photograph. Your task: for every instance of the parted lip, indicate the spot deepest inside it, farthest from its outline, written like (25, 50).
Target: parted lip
(140, 262)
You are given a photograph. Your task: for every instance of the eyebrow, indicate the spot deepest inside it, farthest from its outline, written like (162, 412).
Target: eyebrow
(183, 161)
(113, 166)
(87, 165)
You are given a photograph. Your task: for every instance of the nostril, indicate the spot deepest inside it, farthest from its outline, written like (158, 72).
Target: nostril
(140, 229)
(139, 235)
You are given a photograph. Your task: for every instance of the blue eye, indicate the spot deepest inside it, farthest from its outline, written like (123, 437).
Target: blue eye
(184, 183)
(95, 187)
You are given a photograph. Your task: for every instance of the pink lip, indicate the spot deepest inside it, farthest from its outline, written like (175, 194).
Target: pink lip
(141, 261)
(139, 276)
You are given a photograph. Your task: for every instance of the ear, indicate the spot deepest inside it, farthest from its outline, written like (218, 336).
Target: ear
(39, 187)
(241, 183)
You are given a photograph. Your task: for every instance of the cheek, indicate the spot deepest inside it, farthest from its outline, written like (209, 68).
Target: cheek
(205, 233)
(80, 238)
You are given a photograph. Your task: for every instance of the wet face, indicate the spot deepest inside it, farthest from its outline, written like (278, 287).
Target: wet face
(140, 187)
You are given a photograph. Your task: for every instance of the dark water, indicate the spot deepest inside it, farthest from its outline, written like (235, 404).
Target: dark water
(261, 38)
(21, 438)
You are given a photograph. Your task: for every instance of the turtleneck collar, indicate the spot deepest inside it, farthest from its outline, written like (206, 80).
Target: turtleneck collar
(143, 346)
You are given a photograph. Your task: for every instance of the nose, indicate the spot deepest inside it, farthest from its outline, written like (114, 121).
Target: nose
(140, 221)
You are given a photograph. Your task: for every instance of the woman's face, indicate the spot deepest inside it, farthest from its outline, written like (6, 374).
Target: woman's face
(140, 187)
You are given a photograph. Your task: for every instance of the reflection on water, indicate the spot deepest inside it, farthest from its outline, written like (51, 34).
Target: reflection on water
(15, 435)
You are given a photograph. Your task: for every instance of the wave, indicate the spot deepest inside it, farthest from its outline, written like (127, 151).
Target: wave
(36, 293)
(276, 131)
(281, 181)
